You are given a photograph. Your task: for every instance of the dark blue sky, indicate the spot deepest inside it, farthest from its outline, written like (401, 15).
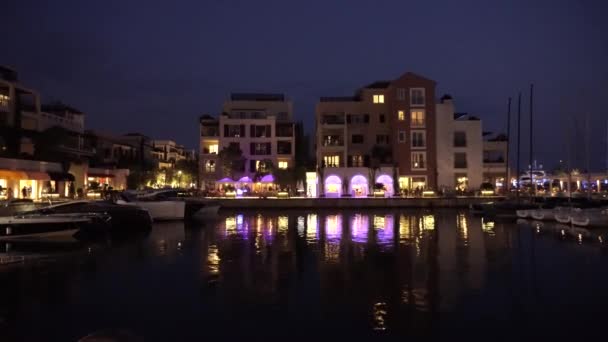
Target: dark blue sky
(155, 66)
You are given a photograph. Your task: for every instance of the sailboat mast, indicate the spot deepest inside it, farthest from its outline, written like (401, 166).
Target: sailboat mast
(518, 141)
(531, 157)
(587, 154)
(507, 179)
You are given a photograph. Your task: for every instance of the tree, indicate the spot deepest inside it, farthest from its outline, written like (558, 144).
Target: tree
(381, 155)
(232, 160)
(265, 167)
(189, 169)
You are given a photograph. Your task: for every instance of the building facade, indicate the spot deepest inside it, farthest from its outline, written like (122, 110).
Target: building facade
(387, 124)
(260, 125)
(168, 153)
(495, 161)
(459, 148)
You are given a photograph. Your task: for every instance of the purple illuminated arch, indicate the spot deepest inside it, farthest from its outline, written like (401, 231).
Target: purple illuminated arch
(387, 181)
(358, 182)
(336, 182)
(267, 179)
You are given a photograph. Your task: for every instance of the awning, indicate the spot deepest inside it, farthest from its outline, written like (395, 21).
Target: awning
(37, 175)
(61, 176)
(100, 175)
(11, 174)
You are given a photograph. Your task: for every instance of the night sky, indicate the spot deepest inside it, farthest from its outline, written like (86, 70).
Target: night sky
(156, 66)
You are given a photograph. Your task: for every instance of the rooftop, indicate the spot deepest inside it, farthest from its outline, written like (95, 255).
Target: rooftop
(263, 97)
(465, 116)
(59, 108)
(340, 99)
(378, 85)
(8, 74)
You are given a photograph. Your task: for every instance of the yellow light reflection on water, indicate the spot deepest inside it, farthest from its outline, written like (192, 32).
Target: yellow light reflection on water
(379, 313)
(461, 223)
(487, 227)
(378, 222)
(333, 226)
(405, 228)
(427, 222)
(311, 228)
(283, 224)
(230, 225)
(213, 260)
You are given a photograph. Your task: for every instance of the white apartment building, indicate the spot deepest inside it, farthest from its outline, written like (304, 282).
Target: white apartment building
(168, 152)
(459, 148)
(261, 125)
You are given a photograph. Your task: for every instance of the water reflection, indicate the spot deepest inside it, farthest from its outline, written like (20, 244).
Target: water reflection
(388, 272)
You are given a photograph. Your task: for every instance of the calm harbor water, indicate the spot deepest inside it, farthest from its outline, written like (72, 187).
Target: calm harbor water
(440, 274)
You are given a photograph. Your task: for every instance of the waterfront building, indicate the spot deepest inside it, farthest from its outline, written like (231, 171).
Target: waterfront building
(388, 127)
(495, 161)
(460, 148)
(168, 153)
(260, 125)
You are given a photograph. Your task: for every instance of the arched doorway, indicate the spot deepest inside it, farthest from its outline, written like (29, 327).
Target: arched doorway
(333, 186)
(387, 181)
(358, 186)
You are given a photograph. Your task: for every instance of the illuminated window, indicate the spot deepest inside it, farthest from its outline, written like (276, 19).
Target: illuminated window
(401, 115)
(331, 161)
(417, 116)
(210, 166)
(357, 160)
(4, 100)
(418, 139)
(213, 149)
(417, 96)
(401, 137)
(379, 98)
(418, 160)
(283, 165)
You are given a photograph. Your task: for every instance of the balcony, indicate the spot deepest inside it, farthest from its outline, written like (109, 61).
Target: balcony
(333, 120)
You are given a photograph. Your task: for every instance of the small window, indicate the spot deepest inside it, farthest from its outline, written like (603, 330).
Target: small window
(418, 160)
(417, 96)
(283, 165)
(357, 160)
(401, 115)
(417, 116)
(331, 161)
(357, 139)
(381, 118)
(379, 98)
(418, 139)
(460, 160)
(210, 166)
(401, 94)
(382, 139)
(460, 139)
(401, 137)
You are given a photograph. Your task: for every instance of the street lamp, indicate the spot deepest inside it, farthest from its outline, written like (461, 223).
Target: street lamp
(179, 178)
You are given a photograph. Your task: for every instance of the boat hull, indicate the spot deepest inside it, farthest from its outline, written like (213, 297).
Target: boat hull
(40, 227)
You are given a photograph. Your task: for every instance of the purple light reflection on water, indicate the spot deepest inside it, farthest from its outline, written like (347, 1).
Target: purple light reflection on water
(384, 227)
(359, 225)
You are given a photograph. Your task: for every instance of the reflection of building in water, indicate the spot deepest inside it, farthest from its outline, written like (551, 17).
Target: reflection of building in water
(477, 256)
